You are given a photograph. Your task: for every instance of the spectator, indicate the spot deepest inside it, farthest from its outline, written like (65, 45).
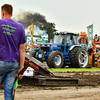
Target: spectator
(12, 49)
(90, 50)
(97, 50)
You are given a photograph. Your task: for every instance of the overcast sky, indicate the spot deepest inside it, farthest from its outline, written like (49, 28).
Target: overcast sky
(68, 15)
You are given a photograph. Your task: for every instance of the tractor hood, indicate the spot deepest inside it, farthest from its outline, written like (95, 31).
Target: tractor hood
(50, 45)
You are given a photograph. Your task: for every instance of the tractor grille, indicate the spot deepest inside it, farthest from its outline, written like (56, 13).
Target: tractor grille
(45, 49)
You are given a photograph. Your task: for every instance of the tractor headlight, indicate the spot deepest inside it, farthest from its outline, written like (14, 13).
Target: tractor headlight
(53, 45)
(44, 52)
(48, 45)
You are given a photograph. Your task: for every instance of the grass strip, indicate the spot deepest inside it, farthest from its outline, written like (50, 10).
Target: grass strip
(73, 69)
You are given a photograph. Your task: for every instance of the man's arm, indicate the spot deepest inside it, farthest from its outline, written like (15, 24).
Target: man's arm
(21, 58)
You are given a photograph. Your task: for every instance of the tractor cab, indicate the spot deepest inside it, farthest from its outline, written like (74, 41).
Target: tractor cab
(66, 41)
(66, 38)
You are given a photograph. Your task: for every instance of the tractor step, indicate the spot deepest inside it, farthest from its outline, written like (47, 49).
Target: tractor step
(67, 59)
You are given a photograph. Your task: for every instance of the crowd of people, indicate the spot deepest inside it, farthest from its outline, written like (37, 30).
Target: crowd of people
(93, 50)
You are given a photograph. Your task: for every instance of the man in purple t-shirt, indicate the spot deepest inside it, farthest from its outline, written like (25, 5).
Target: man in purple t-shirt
(12, 45)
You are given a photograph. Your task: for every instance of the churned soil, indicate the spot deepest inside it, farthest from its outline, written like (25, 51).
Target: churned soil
(87, 89)
(56, 93)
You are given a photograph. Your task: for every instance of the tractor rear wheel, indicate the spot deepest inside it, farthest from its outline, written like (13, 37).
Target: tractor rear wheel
(55, 59)
(79, 58)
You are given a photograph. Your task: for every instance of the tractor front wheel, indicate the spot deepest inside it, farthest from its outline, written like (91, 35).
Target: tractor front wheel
(55, 59)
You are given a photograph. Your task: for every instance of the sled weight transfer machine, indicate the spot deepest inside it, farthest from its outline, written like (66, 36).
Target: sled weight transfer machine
(37, 65)
(49, 78)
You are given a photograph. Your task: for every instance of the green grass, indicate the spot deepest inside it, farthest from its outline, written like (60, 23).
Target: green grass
(73, 69)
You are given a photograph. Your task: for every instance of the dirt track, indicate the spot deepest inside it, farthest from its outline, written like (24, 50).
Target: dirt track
(28, 91)
(56, 93)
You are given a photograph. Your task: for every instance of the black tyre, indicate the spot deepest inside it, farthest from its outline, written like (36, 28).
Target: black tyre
(32, 54)
(81, 58)
(55, 59)
(72, 54)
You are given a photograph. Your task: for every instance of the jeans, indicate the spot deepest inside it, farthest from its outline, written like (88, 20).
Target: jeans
(8, 71)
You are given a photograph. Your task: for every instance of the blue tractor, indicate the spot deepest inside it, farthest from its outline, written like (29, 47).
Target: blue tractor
(64, 51)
